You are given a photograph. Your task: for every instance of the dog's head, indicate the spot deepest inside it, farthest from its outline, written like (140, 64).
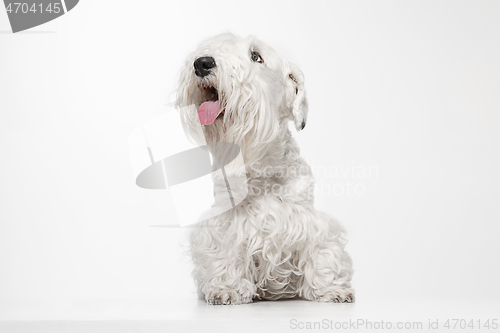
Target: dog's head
(240, 90)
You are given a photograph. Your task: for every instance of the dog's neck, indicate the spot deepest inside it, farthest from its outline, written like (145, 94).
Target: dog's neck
(280, 155)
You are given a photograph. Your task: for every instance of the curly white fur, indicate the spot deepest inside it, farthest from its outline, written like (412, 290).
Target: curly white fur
(274, 244)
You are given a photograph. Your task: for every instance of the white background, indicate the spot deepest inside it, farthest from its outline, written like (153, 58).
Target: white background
(411, 88)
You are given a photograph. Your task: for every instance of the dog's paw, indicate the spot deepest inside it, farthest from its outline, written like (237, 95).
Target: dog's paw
(227, 297)
(333, 295)
(337, 297)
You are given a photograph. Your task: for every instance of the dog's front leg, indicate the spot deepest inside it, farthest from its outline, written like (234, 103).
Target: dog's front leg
(228, 287)
(328, 269)
(222, 270)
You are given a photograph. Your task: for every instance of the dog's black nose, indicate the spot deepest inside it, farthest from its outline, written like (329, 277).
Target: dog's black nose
(203, 65)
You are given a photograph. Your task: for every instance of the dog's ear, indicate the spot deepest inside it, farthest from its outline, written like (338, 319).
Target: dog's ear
(296, 96)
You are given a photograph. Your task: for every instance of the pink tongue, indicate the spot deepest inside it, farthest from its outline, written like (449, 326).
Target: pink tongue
(208, 111)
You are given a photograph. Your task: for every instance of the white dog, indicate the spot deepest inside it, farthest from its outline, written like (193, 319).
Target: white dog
(274, 244)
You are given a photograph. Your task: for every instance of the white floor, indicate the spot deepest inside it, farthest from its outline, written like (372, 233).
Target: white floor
(284, 316)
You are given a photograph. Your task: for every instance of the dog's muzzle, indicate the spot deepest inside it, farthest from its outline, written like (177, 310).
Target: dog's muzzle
(203, 66)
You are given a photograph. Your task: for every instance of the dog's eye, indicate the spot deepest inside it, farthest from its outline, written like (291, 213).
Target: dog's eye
(256, 57)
